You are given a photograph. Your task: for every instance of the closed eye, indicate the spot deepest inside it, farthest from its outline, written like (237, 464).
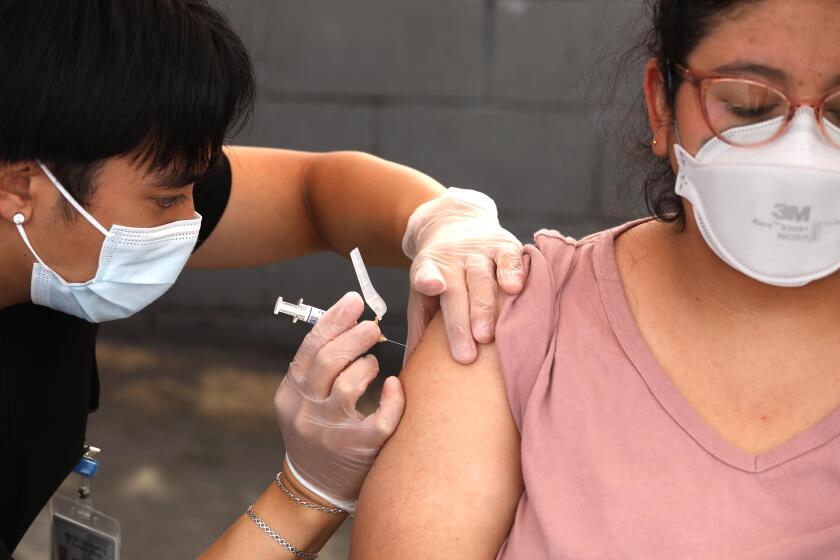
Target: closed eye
(171, 201)
(752, 112)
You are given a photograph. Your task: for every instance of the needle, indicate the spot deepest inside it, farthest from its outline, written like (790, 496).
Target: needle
(311, 315)
(383, 339)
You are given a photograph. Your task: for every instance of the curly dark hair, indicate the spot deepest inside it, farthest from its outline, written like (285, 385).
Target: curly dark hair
(675, 29)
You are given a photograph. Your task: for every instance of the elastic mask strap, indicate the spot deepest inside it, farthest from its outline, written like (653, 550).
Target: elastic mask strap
(29, 246)
(72, 202)
(669, 79)
(677, 134)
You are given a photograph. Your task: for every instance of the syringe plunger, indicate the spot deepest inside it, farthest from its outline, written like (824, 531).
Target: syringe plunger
(299, 312)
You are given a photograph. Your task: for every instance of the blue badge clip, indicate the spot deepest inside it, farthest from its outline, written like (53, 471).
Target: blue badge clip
(89, 465)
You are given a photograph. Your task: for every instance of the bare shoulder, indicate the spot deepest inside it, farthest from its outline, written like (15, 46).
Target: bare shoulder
(642, 251)
(447, 483)
(641, 240)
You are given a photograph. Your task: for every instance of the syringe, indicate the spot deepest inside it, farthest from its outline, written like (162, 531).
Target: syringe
(309, 314)
(299, 312)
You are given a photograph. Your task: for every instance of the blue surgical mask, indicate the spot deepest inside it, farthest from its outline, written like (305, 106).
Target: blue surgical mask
(136, 267)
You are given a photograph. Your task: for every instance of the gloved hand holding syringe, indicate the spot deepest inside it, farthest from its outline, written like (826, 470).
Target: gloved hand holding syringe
(311, 315)
(330, 445)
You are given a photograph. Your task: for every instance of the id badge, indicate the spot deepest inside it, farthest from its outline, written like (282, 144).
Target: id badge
(80, 532)
(77, 530)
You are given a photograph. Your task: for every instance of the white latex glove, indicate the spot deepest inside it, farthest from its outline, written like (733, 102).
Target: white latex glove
(462, 254)
(330, 446)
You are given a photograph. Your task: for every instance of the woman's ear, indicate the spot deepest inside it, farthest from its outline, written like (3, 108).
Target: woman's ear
(658, 111)
(16, 190)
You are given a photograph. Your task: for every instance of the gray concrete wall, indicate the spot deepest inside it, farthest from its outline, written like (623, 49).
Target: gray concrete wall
(500, 95)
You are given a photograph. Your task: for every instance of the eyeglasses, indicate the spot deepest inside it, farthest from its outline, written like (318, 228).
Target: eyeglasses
(729, 103)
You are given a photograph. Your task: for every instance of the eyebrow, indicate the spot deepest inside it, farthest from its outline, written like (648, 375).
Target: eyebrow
(767, 71)
(753, 68)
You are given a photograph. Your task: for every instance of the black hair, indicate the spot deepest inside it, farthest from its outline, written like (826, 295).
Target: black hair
(676, 27)
(162, 81)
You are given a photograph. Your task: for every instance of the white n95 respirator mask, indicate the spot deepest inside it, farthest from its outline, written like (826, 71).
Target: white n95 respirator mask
(771, 211)
(136, 267)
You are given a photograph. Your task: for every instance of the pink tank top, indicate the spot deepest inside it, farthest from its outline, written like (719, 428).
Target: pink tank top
(616, 463)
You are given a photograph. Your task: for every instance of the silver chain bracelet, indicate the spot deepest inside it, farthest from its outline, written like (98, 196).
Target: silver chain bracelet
(303, 502)
(277, 538)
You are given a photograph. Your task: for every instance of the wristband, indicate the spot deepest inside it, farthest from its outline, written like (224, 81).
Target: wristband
(278, 479)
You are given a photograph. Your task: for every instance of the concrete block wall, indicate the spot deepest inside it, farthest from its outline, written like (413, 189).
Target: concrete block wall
(499, 95)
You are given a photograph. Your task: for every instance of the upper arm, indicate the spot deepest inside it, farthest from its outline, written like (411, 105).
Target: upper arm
(266, 219)
(447, 483)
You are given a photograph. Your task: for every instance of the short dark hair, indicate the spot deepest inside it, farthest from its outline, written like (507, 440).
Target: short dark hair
(164, 81)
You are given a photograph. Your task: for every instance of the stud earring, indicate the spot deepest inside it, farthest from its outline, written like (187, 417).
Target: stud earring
(18, 218)
(655, 142)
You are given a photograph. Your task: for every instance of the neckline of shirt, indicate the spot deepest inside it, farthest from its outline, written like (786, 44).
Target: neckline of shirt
(669, 397)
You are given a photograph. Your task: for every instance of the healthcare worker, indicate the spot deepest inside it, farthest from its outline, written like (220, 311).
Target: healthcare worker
(113, 177)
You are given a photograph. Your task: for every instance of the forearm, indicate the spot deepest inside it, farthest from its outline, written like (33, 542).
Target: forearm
(355, 199)
(306, 529)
